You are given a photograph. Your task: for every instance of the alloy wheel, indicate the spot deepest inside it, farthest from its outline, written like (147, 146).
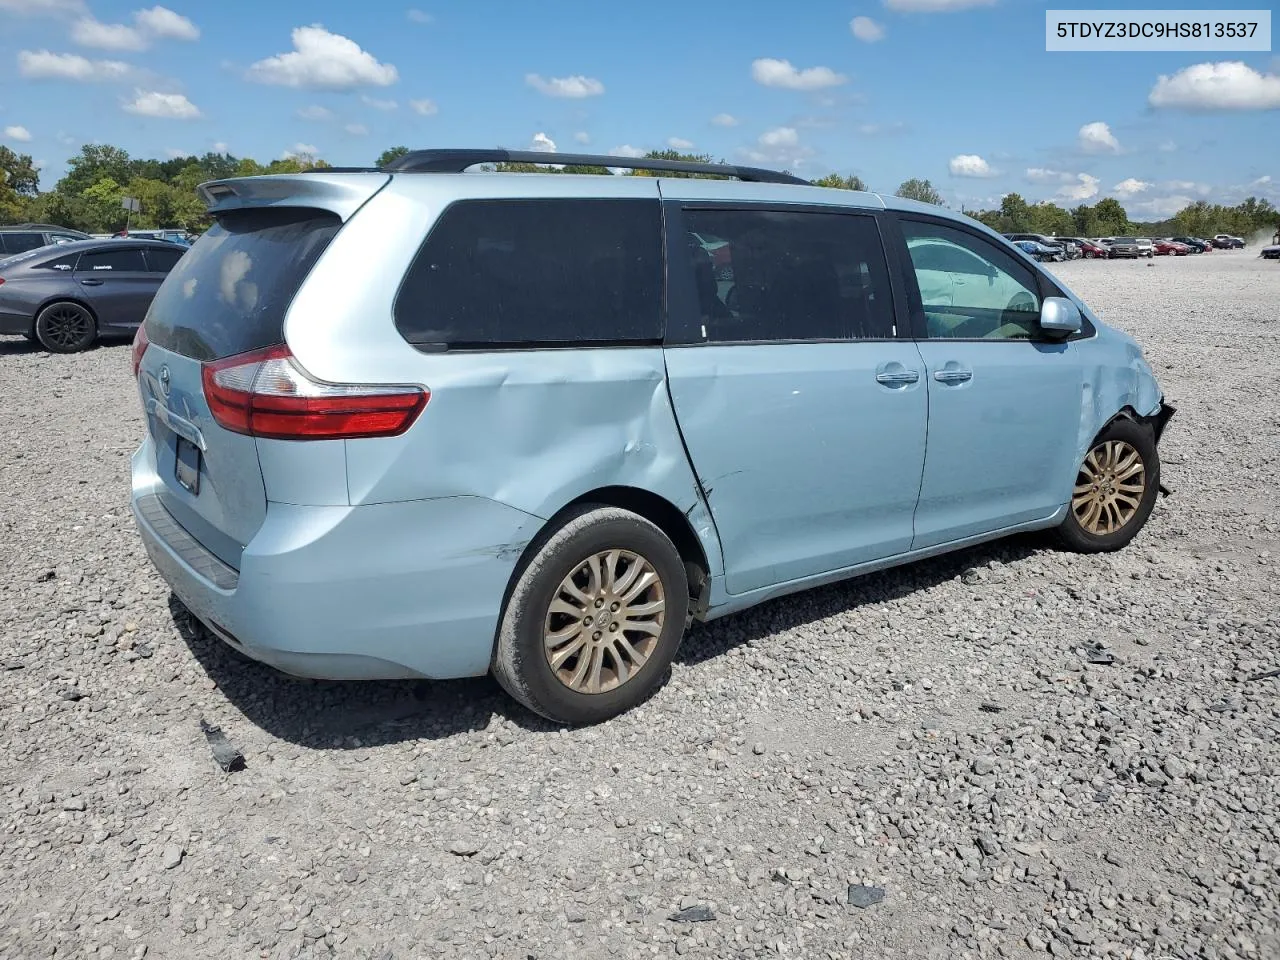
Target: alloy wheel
(604, 621)
(1109, 487)
(66, 326)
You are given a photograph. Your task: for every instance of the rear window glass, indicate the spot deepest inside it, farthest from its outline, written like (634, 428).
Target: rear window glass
(536, 273)
(162, 261)
(229, 293)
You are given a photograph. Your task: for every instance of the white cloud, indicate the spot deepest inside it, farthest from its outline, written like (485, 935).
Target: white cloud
(866, 29)
(221, 147)
(424, 108)
(315, 112)
(1097, 138)
(935, 6)
(323, 60)
(1229, 85)
(725, 120)
(574, 88)
(542, 143)
(1045, 175)
(1261, 181)
(970, 165)
(153, 24)
(301, 151)
(88, 32)
(174, 153)
(1084, 187)
(43, 65)
(163, 22)
(377, 104)
(42, 8)
(1167, 147)
(357, 129)
(780, 146)
(582, 137)
(20, 134)
(626, 150)
(418, 16)
(1130, 187)
(166, 106)
(679, 143)
(769, 72)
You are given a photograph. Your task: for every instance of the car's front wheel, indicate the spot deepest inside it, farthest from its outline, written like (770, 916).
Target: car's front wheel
(1115, 489)
(65, 328)
(594, 618)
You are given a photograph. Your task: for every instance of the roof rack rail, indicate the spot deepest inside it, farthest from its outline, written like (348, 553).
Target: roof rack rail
(457, 161)
(342, 170)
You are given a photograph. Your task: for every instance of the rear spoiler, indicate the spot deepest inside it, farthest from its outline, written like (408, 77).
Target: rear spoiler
(342, 194)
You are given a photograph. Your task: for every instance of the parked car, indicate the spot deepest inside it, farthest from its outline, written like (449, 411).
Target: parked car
(1165, 248)
(1224, 241)
(68, 295)
(1145, 246)
(30, 236)
(171, 236)
(1271, 252)
(407, 424)
(1120, 247)
(1195, 245)
(1089, 249)
(1059, 250)
(1039, 251)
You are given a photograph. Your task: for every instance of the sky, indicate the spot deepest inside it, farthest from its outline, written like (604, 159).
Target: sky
(961, 92)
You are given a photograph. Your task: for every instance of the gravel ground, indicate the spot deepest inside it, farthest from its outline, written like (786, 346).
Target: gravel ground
(922, 763)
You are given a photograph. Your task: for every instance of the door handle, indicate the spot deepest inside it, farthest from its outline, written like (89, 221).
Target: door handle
(897, 376)
(92, 283)
(952, 376)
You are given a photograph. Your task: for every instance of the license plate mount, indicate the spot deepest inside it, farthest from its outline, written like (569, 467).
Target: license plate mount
(187, 465)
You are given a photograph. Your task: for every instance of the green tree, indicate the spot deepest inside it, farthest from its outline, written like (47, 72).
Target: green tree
(1112, 219)
(94, 162)
(678, 156)
(102, 200)
(1016, 213)
(18, 173)
(841, 183)
(391, 153)
(922, 190)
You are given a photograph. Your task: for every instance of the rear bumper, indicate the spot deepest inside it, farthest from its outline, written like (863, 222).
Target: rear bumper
(382, 591)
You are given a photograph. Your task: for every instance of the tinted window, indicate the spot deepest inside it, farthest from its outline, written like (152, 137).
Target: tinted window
(112, 261)
(62, 264)
(162, 261)
(21, 242)
(229, 293)
(772, 275)
(517, 272)
(970, 288)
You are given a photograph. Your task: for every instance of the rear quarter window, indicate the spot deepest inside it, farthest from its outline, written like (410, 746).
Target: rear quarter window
(229, 293)
(524, 273)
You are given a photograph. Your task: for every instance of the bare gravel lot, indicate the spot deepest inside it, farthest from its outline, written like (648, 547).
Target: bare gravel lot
(935, 733)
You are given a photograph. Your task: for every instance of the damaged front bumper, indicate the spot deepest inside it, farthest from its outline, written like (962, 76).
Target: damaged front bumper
(1159, 420)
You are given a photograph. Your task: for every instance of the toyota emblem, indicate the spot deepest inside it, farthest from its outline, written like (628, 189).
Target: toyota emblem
(163, 377)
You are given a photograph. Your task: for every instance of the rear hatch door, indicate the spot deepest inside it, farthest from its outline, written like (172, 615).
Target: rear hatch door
(228, 295)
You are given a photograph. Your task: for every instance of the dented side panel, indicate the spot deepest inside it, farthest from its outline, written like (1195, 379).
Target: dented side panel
(536, 430)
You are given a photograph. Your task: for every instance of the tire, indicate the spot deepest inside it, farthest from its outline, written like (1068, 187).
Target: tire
(1093, 526)
(522, 661)
(65, 327)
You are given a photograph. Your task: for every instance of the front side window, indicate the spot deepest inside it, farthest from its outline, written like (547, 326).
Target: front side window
(970, 288)
(528, 273)
(767, 275)
(22, 242)
(112, 261)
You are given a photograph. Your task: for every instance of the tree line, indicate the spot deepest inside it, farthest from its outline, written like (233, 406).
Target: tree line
(89, 197)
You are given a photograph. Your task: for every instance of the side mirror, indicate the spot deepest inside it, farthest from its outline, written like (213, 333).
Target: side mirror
(1060, 317)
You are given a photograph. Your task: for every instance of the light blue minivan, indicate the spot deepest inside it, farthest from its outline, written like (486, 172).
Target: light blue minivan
(430, 421)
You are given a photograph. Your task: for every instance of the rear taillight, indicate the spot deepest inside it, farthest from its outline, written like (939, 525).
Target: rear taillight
(140, 344)
(265, 394)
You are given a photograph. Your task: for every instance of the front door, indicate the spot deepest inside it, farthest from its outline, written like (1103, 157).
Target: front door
(1004, 401)
(803, 414)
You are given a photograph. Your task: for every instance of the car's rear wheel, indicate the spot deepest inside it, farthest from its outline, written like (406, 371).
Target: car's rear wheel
(595, 617)
(65, 328)
(1115, 489)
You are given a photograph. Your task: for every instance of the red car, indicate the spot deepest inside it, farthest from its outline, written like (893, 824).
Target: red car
(1092, 251)
(1165, 247)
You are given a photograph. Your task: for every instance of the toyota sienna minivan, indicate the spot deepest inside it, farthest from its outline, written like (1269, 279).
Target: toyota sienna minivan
(430, 421)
